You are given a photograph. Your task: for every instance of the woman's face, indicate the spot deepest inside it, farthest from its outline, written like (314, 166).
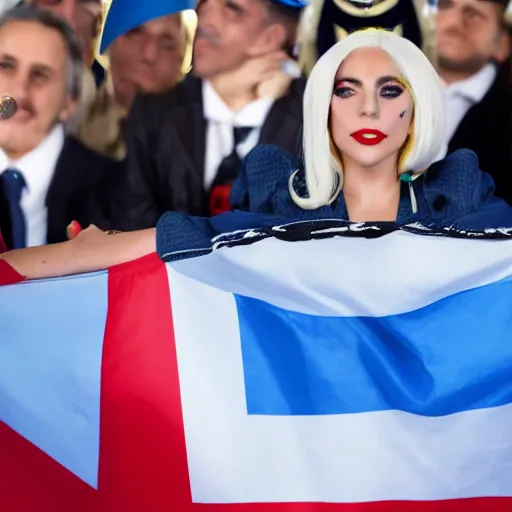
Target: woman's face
(371, 109)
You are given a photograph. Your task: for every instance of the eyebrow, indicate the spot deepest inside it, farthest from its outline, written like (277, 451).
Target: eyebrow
(380, 81)
(38, 65)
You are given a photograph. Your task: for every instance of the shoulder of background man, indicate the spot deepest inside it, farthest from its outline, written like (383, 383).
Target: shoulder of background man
(83, 167)
(295, 94)
(84, 187)
(298, 86)
(499, 94)
(157, 108)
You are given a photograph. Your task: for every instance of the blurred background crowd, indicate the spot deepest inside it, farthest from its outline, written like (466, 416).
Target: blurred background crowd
(130, 108)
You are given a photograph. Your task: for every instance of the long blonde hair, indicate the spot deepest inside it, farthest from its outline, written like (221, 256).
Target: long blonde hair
(323, 170)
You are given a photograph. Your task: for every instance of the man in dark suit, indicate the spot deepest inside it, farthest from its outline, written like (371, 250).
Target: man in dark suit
(184, 146)
(472, 45)
(47, 179)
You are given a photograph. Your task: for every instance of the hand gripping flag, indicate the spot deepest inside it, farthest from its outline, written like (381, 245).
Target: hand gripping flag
(322, 367)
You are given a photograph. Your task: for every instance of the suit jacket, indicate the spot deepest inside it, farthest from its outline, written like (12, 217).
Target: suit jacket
(487, 130)
(165, 140)
(82, 188)
(452, 193)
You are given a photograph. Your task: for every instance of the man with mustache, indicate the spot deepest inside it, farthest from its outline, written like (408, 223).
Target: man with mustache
(185, 146)
(47, 179)
(472, 44)
(85, 17)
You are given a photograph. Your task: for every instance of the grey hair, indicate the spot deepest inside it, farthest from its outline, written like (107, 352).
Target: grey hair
(323, 171)
(31, 13)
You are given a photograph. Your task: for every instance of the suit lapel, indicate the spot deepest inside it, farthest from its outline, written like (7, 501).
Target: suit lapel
(283, 123)
(466, 130)
(77, 169)
(60, 191)
(190, 124)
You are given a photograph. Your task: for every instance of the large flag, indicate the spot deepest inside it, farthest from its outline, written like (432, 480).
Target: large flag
(319, 367)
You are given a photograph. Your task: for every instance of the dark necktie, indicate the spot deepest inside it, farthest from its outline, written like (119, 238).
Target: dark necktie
(226, 175)
(13, 225)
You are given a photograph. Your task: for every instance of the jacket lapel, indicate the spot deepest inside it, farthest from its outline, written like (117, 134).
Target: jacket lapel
(77, 169)
(468, 127)
(191, 126)
(58, 193)
(284, 121)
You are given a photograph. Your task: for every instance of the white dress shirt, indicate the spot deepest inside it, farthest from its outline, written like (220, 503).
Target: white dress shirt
(461, 96)
(37, 167)
(221, 121)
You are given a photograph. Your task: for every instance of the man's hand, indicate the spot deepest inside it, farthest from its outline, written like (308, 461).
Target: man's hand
(256, 76)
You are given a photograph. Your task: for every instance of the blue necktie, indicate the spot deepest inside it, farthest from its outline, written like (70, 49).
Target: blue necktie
(13, 183)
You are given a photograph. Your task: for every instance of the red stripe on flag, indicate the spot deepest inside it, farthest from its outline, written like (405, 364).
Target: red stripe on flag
(3, 245)
(8, 275)
(143, 466)
(143, 461)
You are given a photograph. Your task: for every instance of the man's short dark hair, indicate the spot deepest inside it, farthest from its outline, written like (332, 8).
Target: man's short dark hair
(31, 13)
(289, 17)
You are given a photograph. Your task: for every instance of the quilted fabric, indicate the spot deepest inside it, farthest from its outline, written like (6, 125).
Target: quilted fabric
(452, 193)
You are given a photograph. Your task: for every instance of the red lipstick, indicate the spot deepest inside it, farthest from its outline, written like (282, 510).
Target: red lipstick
(368, 137)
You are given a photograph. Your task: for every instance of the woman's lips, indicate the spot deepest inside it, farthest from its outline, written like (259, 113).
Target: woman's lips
(368, 137)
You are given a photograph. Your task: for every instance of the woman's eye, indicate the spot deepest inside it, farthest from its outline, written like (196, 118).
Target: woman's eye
(343, 92)
(391, 91)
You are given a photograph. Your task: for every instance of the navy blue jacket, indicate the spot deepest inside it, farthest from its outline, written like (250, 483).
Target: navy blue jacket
(452, 193)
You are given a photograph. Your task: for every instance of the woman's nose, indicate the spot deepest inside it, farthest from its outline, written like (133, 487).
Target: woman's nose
(370, 106)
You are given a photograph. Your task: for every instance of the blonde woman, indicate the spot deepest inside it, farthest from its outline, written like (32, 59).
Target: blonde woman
(373, 139)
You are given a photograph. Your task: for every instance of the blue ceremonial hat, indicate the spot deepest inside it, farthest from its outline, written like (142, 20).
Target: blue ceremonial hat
(125, 15)
(292, 4)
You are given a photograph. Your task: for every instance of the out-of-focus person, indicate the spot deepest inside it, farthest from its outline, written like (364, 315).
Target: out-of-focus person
(85, 17)
(145, 45)
(184, 147)
(47, 178)
(472, 44)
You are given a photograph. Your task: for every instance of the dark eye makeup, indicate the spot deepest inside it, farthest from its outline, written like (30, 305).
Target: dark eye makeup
(387, 91)
(343, 91)
(391, 91)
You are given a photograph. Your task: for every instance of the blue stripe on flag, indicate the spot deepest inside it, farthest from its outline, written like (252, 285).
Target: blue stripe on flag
(451, 356)
(50, 367)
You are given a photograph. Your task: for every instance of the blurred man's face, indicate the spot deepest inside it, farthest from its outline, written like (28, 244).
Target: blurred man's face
(227, 33)
(148, 58)
(469, 35)
(34, 71)
(84, 16)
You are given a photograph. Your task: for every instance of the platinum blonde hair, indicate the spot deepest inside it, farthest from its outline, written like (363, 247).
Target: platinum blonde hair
(323, 171)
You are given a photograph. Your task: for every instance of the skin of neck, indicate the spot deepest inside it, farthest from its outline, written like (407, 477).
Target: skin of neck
(15, 153)
(232, 92)
(368, 187)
